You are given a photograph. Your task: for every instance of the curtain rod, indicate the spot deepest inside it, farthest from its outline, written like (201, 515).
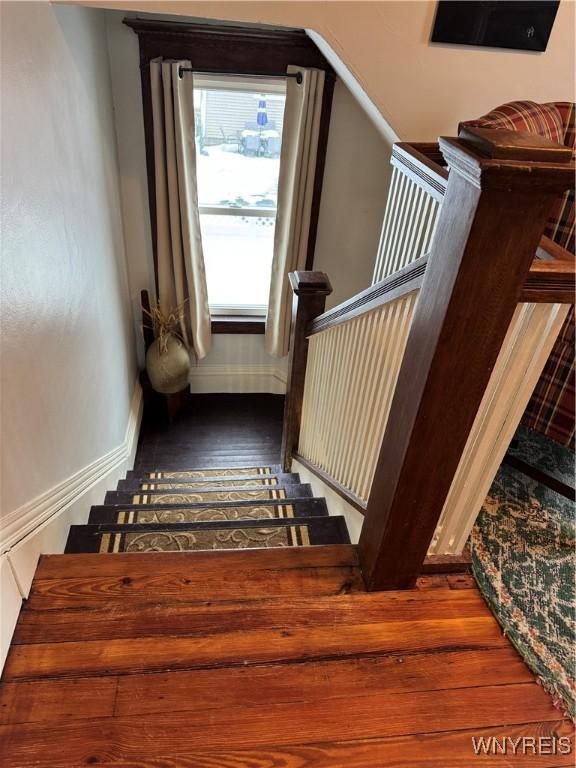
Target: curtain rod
(297, 75)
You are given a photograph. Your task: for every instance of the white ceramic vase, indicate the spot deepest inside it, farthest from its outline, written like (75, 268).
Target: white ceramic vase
(169, 367)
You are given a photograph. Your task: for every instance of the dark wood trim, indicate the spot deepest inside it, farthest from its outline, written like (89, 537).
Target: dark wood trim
(226, 48)
(447, 563)
(147, 330)
(495, 210)
(309, 299)
(238, 324)
(343, 492)
(548, 250)
(549, 282)
(552, 276)
(400, 283)
(541, 477)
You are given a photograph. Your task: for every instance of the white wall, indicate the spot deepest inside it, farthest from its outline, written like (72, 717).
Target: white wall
(129, 126)
(421, 90)
(68, 374)
(354, 193)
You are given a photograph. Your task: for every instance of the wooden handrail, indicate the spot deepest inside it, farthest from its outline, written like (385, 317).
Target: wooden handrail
(550, 283)
(551, 279)
(399, 284)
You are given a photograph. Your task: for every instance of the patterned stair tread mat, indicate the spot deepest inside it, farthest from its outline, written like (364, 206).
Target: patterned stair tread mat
(522, 548)
(209, 483)
(203, 497)
(543, 454)
(213, 472)
(215, 535)
(306, 507)
(202, 514)
(185, 541)
(143, 483)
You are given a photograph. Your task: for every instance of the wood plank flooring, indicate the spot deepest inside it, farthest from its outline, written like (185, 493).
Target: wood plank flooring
(222, 427)
(261, 659)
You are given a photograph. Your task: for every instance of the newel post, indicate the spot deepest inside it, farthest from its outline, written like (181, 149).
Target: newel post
(500, 191)
(309, 300)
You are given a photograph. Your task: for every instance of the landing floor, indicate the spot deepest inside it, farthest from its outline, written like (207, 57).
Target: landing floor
(217, 428)
(261, 659)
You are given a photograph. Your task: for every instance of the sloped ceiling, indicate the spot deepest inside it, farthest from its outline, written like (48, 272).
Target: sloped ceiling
(421, 90)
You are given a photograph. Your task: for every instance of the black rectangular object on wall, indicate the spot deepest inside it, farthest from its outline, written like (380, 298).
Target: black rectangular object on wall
(524, 25)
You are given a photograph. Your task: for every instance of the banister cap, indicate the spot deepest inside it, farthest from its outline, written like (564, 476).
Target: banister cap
(310, 282)
(501, 144)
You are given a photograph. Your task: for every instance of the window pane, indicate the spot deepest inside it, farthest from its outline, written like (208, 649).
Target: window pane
(238, 139)
(238, 134)
(238, 257)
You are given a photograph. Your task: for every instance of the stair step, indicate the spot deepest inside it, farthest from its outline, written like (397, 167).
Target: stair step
(246, 510)
(186, 537)
(219, 471)
(233, 454)
(192, 496)
(225, 458)
(145, 484)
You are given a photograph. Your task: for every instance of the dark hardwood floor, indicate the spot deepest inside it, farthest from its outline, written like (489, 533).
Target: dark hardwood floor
(213, 430)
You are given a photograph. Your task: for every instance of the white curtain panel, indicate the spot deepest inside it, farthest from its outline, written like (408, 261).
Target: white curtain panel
(181, 273)
(295, 188)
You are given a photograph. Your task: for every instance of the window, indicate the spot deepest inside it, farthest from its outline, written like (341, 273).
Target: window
(238, 139)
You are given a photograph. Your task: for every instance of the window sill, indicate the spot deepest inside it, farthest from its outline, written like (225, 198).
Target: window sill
(238, 324)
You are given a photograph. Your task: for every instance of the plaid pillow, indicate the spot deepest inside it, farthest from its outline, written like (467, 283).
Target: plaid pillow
(555, 121)
(551, 408)
(543, 119)
(566, 110)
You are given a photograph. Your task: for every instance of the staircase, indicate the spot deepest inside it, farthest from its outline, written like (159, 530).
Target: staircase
(208, 508)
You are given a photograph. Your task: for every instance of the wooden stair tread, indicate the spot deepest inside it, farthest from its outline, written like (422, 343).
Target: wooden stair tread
(276, 479)
(193, 566)
(275, 508)
(203, 496)
(216, 534)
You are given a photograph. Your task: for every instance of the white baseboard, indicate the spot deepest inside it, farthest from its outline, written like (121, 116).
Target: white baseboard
(41, 525)
(11, 600)
(238, 378)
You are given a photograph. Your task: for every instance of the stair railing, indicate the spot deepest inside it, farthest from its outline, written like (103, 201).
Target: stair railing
(396, 395)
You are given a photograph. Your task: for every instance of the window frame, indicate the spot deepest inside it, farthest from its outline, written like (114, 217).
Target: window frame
(224, 48)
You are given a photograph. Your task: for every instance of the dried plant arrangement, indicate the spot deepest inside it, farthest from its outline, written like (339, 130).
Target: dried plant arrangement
(166, 323)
